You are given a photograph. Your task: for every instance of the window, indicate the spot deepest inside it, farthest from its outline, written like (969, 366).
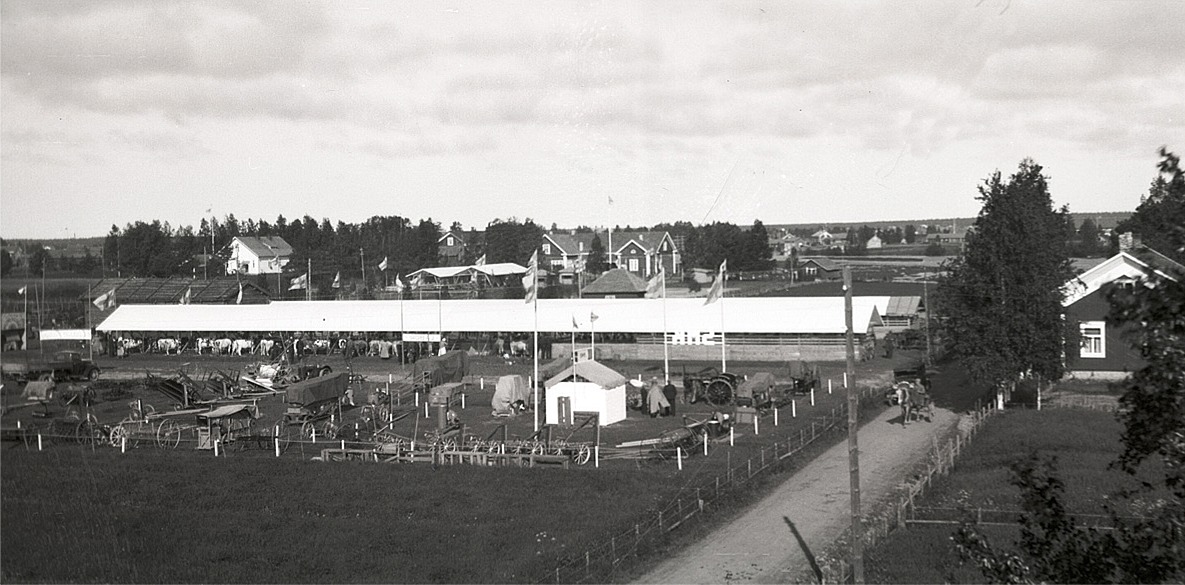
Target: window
(581, 248)
(449, 241)
(810, 270)
(1094, 343)
(633, 264)
(547, 248)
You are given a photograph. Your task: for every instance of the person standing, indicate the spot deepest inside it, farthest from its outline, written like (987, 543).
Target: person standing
(903, 401)
(671, 395)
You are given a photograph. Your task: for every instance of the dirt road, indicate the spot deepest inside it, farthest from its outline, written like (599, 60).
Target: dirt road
(761, 546)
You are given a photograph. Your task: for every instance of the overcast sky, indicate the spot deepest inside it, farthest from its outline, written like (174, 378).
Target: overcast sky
(786, 112)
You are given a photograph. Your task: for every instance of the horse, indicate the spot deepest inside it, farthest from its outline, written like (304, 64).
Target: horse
(238, 346)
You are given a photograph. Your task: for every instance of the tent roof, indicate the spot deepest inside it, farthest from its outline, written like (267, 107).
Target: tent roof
(590, 370)
(771, 315)
(618, 280)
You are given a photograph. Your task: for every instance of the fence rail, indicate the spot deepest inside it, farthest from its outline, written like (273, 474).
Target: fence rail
(600, 562)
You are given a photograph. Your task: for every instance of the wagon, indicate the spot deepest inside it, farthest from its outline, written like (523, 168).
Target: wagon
(228, 423)
(312, 401)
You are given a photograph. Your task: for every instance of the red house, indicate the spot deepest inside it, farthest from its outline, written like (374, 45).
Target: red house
(1104, 351)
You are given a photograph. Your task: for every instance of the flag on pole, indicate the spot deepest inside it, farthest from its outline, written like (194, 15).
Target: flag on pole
(239, 299)
(575, 325)
(531, 278)
(106, 300)
(654, 285)
(383, 264)
(717, 289)
(592, 316)
(300, 282)
(187, 297)
(399, 287)
(610, 199)
(337, 280)
(480, 261)
(21, 291)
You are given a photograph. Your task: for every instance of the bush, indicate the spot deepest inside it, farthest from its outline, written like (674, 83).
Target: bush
(935, 249)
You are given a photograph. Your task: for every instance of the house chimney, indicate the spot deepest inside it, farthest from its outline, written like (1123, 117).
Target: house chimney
(1126, 242)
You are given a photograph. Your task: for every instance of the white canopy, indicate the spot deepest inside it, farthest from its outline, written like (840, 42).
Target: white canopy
(785, 315)
(65, 335)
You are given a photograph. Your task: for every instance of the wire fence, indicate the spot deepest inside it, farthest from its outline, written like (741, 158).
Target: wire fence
(602, 561)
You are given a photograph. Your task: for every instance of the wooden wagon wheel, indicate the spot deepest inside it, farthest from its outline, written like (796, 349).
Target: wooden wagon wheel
(582, 455)
(168, 435)
(449, 445)
(308, 430)
(330, 430)
(537, 448)
(119, 434)
(88, 431)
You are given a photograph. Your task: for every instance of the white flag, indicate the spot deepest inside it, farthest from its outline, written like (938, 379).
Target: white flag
(239, 299)
(106, 300)
(300, 282)
(654, 285)
(592, 316)
(187, 297)
(383, 264)
(531, 279)
(337, 280)
(22, 290)
(480, 261)
(399, 286)
(717, 289)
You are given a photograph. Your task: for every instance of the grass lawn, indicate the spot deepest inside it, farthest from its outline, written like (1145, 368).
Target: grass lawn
(1085, 442)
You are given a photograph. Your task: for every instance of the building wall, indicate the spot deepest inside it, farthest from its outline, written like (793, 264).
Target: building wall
(756, 353)
(1120, 357)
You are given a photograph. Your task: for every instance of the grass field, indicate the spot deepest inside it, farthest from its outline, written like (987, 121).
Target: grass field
(184, 516)
(1085, 442)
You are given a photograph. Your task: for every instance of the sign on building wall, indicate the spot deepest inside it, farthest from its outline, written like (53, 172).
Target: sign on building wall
(692, 338)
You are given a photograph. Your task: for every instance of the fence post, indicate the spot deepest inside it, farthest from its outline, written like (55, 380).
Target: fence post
(794, 408)
(660, 520)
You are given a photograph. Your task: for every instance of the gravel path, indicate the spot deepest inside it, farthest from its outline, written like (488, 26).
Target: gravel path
(760, 546)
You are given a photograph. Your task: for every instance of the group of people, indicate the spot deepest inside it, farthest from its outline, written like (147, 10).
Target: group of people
(654, 398)
(908, 394)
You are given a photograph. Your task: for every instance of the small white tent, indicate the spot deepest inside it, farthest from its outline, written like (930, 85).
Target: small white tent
(587, 386)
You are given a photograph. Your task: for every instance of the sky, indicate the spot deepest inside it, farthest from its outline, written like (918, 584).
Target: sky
(574, 113)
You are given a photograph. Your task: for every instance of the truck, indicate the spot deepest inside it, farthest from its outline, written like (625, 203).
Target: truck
(61, 366)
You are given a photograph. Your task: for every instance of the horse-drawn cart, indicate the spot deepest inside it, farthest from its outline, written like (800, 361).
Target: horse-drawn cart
(312, 401)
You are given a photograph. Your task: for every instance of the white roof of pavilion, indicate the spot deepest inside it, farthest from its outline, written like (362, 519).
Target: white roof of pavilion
(785, 315)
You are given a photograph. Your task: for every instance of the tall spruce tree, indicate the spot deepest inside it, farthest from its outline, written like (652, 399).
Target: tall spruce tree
(1001, 301)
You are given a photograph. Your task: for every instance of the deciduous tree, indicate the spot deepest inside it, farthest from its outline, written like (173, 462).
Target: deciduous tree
(1001, 301)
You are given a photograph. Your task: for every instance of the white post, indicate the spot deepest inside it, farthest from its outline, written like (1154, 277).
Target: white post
(462, 401)
(679, 456)
(18, 425)
(1038, 395)
(705, 444)
(343, 444)
(829, 385)
(756, 429)
(845, 379)
(425, 409)
(215, 447)
(731, 436)
(812, 396)
(123, 443)
(775, 417)
(417, 399)
(597, 456)
(314, 429)
(277, 441)
(483, 382)
(38, 441)
(794, 408)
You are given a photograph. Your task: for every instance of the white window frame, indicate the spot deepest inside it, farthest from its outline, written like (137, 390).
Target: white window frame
(547, 249)
(633, 264)
(1092, 345)
(449, 241)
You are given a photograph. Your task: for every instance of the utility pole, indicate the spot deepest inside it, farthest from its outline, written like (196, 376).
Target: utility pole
(853, 425)
(926, 304)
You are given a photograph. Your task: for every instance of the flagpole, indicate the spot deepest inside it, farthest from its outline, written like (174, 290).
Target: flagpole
(90, 342)
(666, 358)
(308, 282)
(723, 343)
(535, 350)
(362, 254)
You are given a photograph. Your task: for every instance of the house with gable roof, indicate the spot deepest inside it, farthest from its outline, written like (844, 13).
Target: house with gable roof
(452, 246)
(639, 252)
(1103, 350)
(258, 255)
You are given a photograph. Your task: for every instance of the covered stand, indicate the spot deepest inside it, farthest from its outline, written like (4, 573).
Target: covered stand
(453, 366)
(587, 386)
(510, 389)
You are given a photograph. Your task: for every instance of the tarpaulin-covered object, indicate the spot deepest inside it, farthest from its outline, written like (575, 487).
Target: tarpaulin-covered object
(757, 385)
(450, 367)
(316, 390)
(510, 389)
